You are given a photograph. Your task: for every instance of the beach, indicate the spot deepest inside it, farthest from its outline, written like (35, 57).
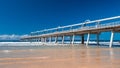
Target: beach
(59, 57)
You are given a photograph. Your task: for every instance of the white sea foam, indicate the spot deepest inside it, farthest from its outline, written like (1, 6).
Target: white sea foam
(50, 44)
(19, 43)
(6, 51)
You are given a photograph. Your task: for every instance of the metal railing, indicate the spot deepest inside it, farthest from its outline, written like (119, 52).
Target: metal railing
(81, 26)
(112, 24)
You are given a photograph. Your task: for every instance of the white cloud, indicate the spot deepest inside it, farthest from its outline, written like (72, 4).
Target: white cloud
(11, 37)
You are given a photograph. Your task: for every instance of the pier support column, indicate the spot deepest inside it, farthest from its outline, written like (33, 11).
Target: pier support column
(88, 38)
(30, 40)
(73, 38)
(97, 36)
(50, 39)
(35, 40)
(63, 39)
(56, 39)
(45, 40)
(82, 38)
(38, 40)
(111, 40)
(70, 39)
(41, 39)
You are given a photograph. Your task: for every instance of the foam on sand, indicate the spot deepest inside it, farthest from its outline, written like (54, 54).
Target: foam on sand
(49, 44)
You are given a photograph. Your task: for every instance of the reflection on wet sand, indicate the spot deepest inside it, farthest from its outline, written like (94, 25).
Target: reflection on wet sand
(71, 57)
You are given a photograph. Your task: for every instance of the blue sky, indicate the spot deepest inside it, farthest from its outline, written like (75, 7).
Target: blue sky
(21, 17)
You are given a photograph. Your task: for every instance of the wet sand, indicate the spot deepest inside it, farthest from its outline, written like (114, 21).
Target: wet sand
(61, 57)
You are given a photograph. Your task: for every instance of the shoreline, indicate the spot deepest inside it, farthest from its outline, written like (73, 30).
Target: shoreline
(52, 44)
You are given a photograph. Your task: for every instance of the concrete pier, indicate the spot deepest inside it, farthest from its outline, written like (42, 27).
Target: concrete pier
(98, 26)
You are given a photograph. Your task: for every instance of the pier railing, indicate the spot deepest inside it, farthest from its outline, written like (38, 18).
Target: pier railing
(81, 28)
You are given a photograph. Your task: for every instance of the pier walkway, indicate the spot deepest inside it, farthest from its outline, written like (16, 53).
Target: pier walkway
(88, 27)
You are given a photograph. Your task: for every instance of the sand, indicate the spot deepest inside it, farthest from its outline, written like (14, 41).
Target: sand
(61, 57)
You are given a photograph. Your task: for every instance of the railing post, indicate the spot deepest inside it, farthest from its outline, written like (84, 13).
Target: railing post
(111, 39)
(98, 23)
